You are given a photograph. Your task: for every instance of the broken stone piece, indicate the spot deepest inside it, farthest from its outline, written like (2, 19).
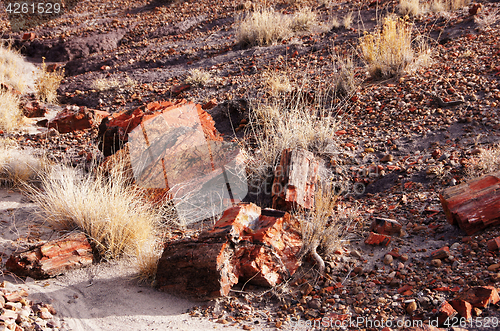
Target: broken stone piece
(445, 312)
(441, 253)
(52, 258)
(463, 308)
(72, 118)
(385, 226)
(481, 296)
(377, 239)
(493, 244)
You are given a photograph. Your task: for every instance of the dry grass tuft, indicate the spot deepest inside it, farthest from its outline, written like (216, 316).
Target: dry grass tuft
(277, 82)
(288, 124)
(347, 21)
(15, 71)
(198, 77)
(487, 161)
(389, 51)
(303, 20)
(324, 226)
(411, 8)
(107, 84)
(11, 116)
(18, 167)
(47, 83)
(448, 5)
(113, 213)
(263, 27)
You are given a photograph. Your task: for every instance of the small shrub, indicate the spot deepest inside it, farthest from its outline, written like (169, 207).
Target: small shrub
(389, 52)
(47, 83)
(17, 167)
(15, 71)
(263, 27)
(410, 7)
(11, 116)
(303, 20)
(198, 77)
(448, 5)
(278, 83)
(347, 22)
(324, 226)
(107, 84)
(487, 161)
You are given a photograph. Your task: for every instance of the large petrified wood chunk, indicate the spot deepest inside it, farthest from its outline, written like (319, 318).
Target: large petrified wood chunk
(52, 258)
(474, 205)
(246, 244)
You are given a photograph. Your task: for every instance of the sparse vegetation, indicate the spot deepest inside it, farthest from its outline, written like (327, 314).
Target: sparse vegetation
(488, 160)
(347, 22)
(198, 77)
(17, 166)
(303, 20)
(389, 50)
(113, 213)
(324, 225)
(410, 7)
(107, 84)
(448, 5)
(15, 71)
(47, 83)
(11, 116)
(263, 27)
(278, 82)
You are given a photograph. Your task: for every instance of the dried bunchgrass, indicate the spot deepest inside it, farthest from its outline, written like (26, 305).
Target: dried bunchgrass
(488, 160)
(47, 83)
(392, 50)
(15, 71)
(448, 5)
(198, 77)
(263, 27)
(411, 8)
(324, 226)
(11, 116)
(107, 84)
(114, 214)
(303, 20)
(18, 167)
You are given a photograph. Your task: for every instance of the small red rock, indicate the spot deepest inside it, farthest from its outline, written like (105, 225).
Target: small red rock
(441, 253)
(475, 9)
(463, 307)
(209, 105)
(385, 226)
(178, 89)
(481, 296)
(445, 311)
(29, 36)
(377, 239)
(493, 244)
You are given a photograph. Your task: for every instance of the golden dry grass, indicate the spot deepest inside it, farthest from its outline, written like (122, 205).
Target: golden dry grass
(410, 7)
(389, 51)
(198, 77)
(113, 213)
(17, 166)
(303, 20)
(488, 160)
(47, 83)
(263, 27)
(15, 71)
(107, 84)
(277, 82)
(448, 5)
(11, 116)
(324, 226)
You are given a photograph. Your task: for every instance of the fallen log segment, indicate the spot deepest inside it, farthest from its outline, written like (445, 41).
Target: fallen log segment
(474, 205)
(52, 258)
(295, 180)
(246, 244)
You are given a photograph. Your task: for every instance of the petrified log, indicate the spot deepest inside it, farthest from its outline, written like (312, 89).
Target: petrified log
(474, 205)
(114, 131)
(246, 244)
(52, 258)
(295, 180)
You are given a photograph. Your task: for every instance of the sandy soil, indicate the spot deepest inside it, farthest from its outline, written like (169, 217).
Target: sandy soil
(104, 296)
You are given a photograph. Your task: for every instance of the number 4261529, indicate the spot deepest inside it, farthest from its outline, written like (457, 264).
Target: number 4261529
(33, 8)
